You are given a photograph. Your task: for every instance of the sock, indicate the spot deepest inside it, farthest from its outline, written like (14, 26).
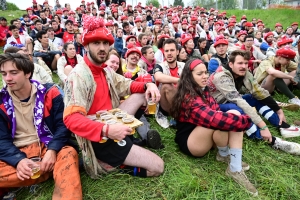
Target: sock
(139, 113)
(284, 125)
(223, 151)
(269, 114)
(133, 171)
(253, 128)
(280, 84)
(235, 160)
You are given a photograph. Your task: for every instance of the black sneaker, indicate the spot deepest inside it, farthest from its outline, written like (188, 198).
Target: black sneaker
(154, 140)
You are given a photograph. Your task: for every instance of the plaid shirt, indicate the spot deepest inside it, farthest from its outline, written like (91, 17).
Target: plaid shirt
(208, 115)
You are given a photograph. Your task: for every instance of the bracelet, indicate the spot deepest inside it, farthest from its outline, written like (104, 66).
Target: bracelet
(264, 128)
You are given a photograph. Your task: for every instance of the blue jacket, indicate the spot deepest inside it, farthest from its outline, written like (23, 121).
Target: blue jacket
(53, 116)
(119, 45)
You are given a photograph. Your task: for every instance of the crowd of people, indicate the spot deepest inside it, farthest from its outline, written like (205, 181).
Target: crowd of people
(211, 76)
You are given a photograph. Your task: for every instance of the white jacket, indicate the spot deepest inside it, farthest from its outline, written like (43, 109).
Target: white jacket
(61, 63)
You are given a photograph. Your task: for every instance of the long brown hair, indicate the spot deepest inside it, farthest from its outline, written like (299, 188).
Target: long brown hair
(188, 89)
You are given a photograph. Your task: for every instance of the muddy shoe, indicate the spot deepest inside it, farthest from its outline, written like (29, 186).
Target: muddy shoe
(288, 106)
(154, 140)
(242, 179)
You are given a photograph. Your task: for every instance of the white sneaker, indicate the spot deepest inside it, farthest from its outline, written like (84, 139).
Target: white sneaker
(293, 131)
(289, 147)
(161, 119)
(295, 100)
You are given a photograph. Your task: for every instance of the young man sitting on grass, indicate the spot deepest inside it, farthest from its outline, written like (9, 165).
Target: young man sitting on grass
(31, 121)
(91, 87)
(277, 72)
(225, 85)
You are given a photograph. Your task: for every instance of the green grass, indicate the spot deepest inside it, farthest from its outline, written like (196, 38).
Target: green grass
(275, 174)
(269, 17)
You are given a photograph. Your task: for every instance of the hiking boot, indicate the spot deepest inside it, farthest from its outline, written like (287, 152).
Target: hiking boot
(295, 100)
(161, 119)
(288, 106)
(226, 159)
(154, 140)
(292, 131)
(289, 147)
(242, 179)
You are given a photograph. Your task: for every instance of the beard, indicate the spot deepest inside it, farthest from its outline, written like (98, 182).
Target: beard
(171, 61)
(96, 59)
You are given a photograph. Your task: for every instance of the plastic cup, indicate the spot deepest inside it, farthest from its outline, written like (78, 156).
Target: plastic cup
(151, 107)
(35, 168)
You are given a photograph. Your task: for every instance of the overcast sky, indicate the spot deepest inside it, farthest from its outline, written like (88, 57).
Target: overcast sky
(23, 4)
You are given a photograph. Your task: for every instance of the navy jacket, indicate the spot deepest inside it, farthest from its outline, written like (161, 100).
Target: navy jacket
(53, 116)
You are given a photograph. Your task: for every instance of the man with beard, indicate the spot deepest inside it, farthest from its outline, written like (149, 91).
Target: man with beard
(167, 74)
(83, 97)
(278, 32)
(225, 85)
(269, 40)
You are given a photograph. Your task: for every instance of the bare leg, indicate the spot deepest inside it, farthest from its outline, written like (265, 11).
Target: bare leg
(54, 62)
(268, 83)
(29, 45)
(133, 103)
(140, 157)
(68, 69)
(167, 93)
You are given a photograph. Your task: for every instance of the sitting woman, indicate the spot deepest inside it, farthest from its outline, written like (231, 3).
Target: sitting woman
(68, 61)
(182, 56)
(201, 124)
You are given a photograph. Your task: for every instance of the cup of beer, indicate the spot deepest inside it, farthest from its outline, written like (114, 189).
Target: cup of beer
(35, 168)
(151, 106)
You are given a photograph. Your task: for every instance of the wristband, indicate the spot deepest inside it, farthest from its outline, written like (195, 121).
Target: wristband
(264, 128)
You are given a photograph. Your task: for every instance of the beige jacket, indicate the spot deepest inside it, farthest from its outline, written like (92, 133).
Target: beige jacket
(79, 91)
(261, 72)
(222, 87)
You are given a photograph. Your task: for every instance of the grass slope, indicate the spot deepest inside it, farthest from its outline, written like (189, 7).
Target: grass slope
(269, 17)
(275, 174)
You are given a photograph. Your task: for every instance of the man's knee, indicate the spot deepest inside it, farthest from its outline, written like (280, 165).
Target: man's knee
(68, 152)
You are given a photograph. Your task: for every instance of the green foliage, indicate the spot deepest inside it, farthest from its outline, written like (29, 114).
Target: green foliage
(155, 3)
(12, 6)
(178, 3)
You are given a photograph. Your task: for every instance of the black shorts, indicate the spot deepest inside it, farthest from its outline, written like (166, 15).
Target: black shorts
(183, 132)
(111, 152)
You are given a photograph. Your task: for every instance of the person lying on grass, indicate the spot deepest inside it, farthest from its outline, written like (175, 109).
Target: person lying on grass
(225, 86)
(31, 121)
(201, 124)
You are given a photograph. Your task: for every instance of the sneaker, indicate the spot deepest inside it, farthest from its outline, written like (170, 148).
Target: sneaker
(295, 100)
(226, 159)
(242, 179)
(292, 131)
(289, 147)
(288, 106)
(161, 119)
(154, 140)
